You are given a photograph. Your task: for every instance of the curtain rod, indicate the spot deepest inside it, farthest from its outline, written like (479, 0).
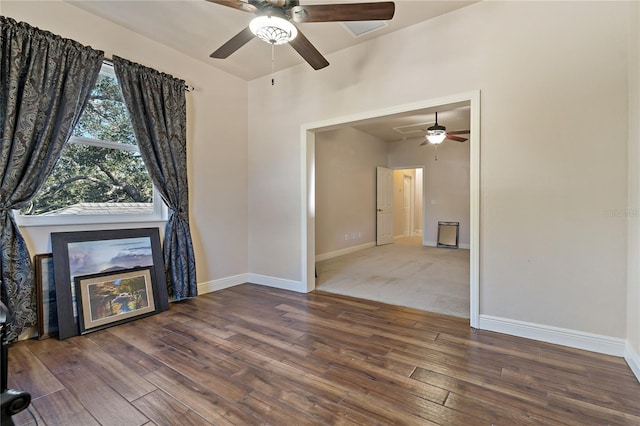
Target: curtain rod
(187, 88)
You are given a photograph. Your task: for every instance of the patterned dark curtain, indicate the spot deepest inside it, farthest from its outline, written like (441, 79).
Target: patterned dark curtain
(45, 82)
(157, 108)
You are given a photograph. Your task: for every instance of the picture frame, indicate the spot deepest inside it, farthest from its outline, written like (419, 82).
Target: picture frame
(46, 307)
(93, 252)
(113, 298)
(448, 233)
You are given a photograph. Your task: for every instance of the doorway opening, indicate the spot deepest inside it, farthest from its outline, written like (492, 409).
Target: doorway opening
(308, 133)
(408, 190)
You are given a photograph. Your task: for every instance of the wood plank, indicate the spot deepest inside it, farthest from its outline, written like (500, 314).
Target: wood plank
(106, 405)
(273, 411)
(514, 403)
(29, 373)
(314, 402)
(383, 412)
(209, 405)
(128, 355)
(162, 409)
(62, 408)
(496, 414)
(575, 388)
(140, 338)
(202, 351)
(55, 354)
(121, 378)
(591, 413)
(331, 391)
(208, 375)
(365, 378)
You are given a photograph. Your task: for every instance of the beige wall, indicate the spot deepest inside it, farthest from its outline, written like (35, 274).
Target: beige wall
(346, 161)
(446, 182)
(633, 255)
(217, 135)
(549, 255)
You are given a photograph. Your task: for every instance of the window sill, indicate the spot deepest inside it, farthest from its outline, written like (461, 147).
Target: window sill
(71, 220)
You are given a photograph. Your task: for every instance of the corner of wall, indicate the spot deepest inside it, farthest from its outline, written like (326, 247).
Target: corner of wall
(633, 359)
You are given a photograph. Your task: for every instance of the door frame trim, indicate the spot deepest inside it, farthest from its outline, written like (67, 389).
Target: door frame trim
(307, 137)
(412, 201)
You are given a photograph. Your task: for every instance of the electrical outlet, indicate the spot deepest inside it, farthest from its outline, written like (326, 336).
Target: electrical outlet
(346, 237)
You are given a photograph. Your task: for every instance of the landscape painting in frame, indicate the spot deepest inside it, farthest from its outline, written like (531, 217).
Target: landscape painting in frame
(112, 298)
(77, 254)
(93, 257)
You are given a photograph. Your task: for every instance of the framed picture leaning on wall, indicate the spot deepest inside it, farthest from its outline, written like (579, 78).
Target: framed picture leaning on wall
(106, 251)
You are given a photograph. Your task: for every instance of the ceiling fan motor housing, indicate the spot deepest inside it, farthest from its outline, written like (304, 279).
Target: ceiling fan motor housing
(437, 127)
(268, 5)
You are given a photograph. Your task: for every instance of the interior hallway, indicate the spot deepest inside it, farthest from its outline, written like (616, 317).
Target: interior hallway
(404, 273)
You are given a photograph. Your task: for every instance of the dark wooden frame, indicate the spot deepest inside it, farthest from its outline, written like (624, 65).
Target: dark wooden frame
(67, 323)
(45, 329)
(82, 282)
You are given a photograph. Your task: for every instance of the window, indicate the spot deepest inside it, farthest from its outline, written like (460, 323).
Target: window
(100, 177)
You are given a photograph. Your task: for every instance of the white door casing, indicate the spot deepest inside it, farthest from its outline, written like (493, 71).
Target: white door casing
(407, 205)
(384, 206)
(307, 136)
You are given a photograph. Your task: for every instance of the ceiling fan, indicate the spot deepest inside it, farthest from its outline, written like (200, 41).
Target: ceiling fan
(275, 23)
(436, 134)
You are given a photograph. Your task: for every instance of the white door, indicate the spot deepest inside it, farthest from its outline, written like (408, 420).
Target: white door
(407, 205)
(384, 206)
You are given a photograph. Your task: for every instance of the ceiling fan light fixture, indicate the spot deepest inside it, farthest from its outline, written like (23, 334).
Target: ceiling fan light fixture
(273, 29)
(436, 134)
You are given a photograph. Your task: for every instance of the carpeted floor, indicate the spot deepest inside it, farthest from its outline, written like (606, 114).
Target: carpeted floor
(403, 273)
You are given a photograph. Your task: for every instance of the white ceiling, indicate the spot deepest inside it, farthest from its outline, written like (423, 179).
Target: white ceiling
(413, 125)
(198, 27)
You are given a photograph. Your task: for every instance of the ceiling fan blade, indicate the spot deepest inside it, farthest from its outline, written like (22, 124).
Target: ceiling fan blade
(456, 138)
(303, 46)
(236, 42)
(424, 143)
(243, 5)
(382, 11)
(459, 132)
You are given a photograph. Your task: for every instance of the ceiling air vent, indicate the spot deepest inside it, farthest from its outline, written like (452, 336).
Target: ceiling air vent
(412, 128)
(360, 28)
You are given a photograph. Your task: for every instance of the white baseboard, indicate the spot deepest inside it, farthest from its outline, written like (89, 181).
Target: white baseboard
(435, 244)
(222, 283)
(342, 252)
(560, 336)
(633, 359)
(274, 282)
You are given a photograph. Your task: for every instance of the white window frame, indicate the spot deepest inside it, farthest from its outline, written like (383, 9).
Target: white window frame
(160, 210)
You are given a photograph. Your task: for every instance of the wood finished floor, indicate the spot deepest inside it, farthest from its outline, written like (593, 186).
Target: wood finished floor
(252, 355)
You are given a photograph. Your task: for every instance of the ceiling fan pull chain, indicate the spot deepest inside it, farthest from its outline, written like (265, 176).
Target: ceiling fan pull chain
(436, 154)
(273, 48)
